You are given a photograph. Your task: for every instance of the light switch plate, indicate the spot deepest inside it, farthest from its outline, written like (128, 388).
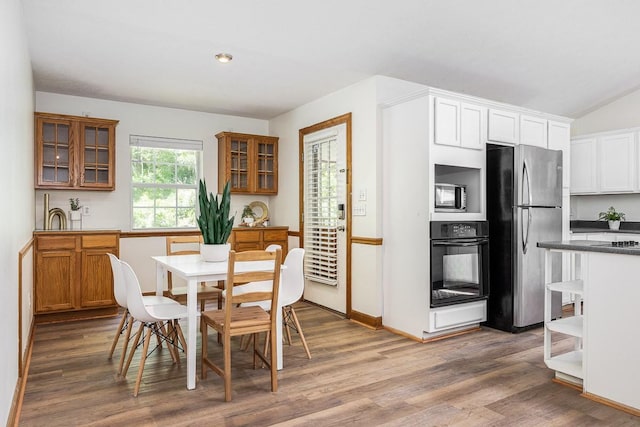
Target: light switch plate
(362, 195)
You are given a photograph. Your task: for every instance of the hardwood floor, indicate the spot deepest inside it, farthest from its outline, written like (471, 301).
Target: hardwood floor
(357, 376)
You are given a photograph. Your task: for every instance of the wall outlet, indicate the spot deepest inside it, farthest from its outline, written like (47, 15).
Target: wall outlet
(86, 211)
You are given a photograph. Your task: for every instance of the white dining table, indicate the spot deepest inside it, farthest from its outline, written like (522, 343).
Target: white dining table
(194, 270)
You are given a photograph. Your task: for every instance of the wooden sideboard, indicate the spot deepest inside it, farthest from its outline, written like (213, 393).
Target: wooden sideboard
(255, 238)
(72, 275)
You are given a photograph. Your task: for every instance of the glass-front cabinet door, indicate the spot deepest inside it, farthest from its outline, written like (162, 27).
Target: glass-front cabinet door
(239, 164)
(54, 153)
(267, 166)
(97, 155)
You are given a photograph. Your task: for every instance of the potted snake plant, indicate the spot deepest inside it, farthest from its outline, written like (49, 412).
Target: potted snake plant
(215, 223)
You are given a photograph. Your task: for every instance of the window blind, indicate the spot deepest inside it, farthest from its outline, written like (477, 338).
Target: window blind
(321, 213)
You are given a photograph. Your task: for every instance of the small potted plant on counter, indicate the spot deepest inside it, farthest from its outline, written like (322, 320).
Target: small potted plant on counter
(248, 216)
(75, 214)
(612, 217)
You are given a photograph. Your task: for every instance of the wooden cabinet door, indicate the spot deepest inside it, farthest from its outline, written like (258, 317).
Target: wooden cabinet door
(533, 131)
(583, 166)
(55, 280)
(54, 153)
(266, 165)
(503, 126)
(97, 156)
(616, 156)
(96, 282)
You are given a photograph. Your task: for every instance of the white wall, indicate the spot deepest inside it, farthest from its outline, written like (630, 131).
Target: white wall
(360, 99)
(619, 114)
(16, 175)
(112, 209)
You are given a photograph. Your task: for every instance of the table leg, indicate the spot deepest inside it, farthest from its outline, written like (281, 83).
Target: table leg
(193, 327)
(160, 272)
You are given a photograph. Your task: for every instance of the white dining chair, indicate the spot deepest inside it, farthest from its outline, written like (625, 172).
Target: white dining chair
(126, 322)
(161, 320)
(291, 290)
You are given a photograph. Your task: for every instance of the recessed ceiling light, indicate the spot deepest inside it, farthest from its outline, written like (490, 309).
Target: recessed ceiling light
(224, 57)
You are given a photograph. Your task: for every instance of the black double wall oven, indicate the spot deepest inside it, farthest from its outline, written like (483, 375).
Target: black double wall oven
(459, 262)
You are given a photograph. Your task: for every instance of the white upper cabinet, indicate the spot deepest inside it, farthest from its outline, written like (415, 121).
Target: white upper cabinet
(447, 122)
(583, 166)
(472, 128)
(605, 163)
(533, 131)
(458, 124)
(559, 138)
(503, 126)
(616, 156)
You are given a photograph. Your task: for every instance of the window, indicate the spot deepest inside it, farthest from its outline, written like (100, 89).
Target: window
(164, 182)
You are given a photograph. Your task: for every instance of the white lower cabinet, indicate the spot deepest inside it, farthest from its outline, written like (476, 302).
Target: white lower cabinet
(568, 364)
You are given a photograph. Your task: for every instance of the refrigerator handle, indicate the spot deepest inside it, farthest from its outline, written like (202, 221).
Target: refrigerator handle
(525, 236)
(525, 175)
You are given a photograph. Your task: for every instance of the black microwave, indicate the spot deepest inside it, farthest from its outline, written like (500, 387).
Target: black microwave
(450, 198)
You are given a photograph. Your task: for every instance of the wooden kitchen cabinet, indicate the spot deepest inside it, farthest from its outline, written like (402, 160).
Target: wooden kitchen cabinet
(74, 152)
(73, 278)
(250, 162)
(257, 238)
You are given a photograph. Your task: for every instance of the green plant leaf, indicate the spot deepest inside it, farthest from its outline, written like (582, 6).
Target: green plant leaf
(214, 221)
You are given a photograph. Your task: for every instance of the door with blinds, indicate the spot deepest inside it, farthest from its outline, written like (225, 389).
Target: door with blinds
(325, 217)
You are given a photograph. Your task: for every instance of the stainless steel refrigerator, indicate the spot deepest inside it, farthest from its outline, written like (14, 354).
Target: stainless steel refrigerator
(524, 207)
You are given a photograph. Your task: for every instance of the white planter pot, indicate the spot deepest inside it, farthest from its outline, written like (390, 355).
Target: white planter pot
(215, 253)
(614, 225)
(75, 215)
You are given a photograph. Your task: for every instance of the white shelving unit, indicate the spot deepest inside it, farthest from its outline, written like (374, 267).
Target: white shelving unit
(568, 365)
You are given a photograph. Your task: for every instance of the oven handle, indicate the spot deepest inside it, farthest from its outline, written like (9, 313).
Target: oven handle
(465, 244)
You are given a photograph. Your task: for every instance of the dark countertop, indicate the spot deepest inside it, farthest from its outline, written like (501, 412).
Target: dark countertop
(581, 226)
(590, 246)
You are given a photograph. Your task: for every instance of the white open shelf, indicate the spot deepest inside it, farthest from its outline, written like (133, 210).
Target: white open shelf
(573, 286)
(567, 325)
(568, 363)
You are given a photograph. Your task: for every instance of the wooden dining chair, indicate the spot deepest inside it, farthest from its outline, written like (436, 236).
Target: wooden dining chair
(234, 320)
(189, 245)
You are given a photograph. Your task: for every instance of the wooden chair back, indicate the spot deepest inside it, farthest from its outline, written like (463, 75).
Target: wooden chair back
(181, 245)
(236, 279)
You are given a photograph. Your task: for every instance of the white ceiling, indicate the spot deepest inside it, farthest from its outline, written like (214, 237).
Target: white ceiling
(564, 57)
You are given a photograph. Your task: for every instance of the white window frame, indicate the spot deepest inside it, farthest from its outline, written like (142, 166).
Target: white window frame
(164, 143)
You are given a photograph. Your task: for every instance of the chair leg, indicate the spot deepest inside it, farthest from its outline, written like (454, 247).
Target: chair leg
(125, 344)
(167, 333)
(286, 324)
(181, 337)
(147, 338)
(299, 328)
(203, 330)
(227, 366)
(133, 349)
(125, 315)
(274, 361)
